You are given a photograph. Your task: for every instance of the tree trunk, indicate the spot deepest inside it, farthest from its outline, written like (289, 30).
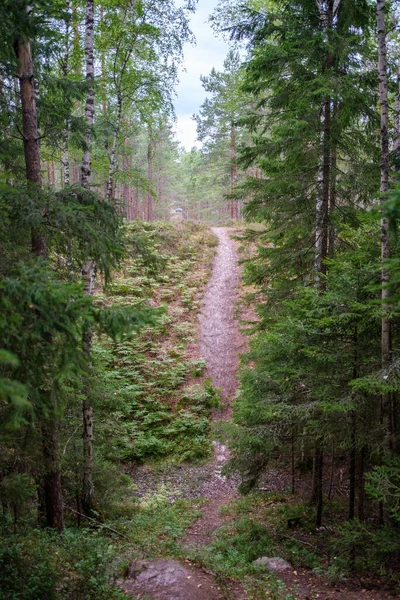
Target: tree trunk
(385, 250)
(352, 470)
(65, 139)
(113, 157)
(30, 128)
(292, 461)
(331, 472)
(322, 232)
(89, 107)
(321, 251)
(53, 499)
(322, 204)
(89, 269)
(396, 122)
(52, 478)
(65, 154)
(136, 202)
(126, 163)
(361, 482)
(50, 173)
(103, 75)
(234, 202)
(353, 434)
(332, 189)
(150, 153)
(319, 466)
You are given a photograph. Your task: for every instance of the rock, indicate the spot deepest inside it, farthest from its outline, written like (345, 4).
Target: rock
(274, 564)
(168, 579)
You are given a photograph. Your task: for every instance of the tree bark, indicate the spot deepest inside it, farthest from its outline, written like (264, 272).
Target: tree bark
(322, 227)
(113, 157)
(386, 346)
(396, 122)
(332, 188)
(53, 499)
(52, 491)
(136, 202)
(361, 484)
(126, 195)
(89, 107)
(65, 140)
(234, 202)
(292, 465)
(319, 455)
(89, 269)
(322, 203)
(65, 155)
(150, 153)
(352, 470)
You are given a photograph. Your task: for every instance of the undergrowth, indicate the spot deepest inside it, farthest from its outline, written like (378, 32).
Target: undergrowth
(261, 524)
(151, 402)
(150, 377)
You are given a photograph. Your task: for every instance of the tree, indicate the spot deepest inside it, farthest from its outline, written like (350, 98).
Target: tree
(218, 121)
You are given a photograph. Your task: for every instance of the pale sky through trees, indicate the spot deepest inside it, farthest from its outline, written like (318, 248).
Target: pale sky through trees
(208, 52)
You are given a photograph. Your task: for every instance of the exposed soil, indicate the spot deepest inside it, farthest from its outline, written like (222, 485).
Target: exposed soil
(220, 342)
(219, 337)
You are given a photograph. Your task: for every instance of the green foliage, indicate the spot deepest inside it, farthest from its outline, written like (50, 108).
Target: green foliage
(142, 376)
(383, 484)
(234, 550)
(372, 548)
(41, 565)
(291, 388)
(75, 223)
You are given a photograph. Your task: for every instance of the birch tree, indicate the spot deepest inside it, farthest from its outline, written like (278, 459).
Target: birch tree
(89, 270)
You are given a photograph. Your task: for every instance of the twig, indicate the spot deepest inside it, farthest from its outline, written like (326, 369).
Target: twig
(288, 537)
(98, 523)
(77, 427)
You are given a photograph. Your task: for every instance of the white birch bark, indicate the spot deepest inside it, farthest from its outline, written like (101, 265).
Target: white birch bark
(89, 107)
(113, 157)
(89, 269)
(396, 120)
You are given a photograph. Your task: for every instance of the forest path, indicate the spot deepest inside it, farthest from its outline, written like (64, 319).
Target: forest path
(220, 344)
(219, 337)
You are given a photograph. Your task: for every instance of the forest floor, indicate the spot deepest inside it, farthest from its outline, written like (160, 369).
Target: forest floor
(194, 573)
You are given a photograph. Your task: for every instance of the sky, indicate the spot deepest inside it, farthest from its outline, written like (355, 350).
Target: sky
(208, 52)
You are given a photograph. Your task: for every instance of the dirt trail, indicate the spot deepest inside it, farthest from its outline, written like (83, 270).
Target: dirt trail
(220, 342)
(219, 338)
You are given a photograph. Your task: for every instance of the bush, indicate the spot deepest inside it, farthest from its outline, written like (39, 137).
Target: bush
(44, 566)
(374, 549)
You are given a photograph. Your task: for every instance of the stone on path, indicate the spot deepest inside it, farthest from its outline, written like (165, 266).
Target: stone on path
(168, 579)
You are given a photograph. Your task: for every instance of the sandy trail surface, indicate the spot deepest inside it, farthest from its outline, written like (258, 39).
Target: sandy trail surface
(220, 343)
